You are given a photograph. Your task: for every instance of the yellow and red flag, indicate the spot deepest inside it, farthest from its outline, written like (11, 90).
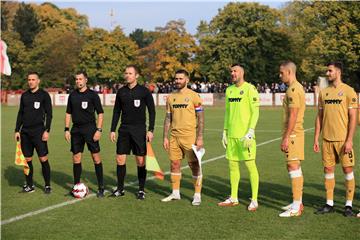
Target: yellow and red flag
(20, 159)
(152, 164)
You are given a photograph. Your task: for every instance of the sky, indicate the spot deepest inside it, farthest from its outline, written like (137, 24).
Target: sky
(147, 14)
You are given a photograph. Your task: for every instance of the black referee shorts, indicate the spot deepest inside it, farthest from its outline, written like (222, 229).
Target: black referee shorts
(82, 135)
(131, 139)
(31, 140)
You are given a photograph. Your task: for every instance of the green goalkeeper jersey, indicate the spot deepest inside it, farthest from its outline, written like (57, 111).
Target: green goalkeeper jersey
(241, 109)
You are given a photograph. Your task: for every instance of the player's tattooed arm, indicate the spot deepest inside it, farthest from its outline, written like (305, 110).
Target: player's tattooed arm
(200, 124)
(167, 123)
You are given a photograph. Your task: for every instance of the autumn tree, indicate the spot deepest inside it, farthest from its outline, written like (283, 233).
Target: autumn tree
(173, 49)
(105, 54)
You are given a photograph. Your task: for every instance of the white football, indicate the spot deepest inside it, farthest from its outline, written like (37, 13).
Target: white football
(80, 190)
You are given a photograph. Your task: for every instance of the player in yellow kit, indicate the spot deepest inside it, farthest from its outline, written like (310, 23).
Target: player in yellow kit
(185, 118)
(292, 143)
(337, 120)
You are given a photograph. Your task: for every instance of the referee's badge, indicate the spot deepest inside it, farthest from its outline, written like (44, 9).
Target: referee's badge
(84, 105)
(137, 103)
(36, 105)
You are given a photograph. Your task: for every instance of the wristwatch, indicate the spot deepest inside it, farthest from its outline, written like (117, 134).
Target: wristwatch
(99, 129)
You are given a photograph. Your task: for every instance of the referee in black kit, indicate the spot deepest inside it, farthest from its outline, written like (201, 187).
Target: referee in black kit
(81, 107)
(33, 127)
(131, 102)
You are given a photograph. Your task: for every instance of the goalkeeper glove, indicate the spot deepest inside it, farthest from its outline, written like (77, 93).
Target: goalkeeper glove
(224, 139)
(248, 138)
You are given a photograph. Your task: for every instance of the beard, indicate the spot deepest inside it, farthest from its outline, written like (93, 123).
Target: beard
(180, 85)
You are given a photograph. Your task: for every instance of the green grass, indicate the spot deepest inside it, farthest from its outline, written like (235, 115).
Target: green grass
(128, 218)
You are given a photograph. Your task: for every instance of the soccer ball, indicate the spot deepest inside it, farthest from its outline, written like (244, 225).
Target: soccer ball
(80, 190)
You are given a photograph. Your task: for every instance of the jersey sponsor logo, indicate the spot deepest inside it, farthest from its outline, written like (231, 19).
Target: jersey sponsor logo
(180, 105)
(333, 101)
(36, 105)
(235, 99)
(137, 103)
(84, 105)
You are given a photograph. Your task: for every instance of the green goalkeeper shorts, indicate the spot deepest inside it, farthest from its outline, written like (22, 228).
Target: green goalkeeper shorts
(235, 150)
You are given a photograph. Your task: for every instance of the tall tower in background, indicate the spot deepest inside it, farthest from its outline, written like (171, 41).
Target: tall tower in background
(112, 19)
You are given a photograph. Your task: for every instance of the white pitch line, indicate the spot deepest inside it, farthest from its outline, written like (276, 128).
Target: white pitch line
(33, 213)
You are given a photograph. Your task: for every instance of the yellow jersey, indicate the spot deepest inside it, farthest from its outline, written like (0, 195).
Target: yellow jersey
(183, 107)
(335, 103)
(294, 98)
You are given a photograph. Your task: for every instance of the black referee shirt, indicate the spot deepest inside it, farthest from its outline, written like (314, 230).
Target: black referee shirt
(82, 107)
(131, 104)
(35, 111)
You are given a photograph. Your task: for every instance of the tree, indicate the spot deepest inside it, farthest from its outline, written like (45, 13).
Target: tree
(50, 16)
(26, 24)
(105, 54)
(56, 55)
(169, 52)
(19, 59)
(143, 38)
(4, 13)
(177, 26)
(246, 33)
(323, 32)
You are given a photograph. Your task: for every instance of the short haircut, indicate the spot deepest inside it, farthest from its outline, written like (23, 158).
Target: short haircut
(83, 72)
(238, 65)
(137, 71)
(33, 73)
(336, 64)
(289, 64)
(182, 71)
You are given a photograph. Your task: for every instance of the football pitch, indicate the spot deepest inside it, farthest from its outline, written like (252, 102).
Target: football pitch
(59, 216)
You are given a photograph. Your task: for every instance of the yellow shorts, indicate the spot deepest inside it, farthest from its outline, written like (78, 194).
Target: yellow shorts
(333, 153)
(296, 148)
(180, 147)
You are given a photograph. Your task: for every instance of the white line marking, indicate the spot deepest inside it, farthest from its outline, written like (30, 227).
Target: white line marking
(33, 213)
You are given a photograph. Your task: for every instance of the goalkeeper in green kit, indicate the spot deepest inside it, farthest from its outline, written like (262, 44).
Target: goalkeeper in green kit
(241, 116)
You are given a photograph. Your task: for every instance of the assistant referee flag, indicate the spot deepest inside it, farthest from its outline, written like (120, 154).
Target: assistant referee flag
(20, 159)
(152, 164)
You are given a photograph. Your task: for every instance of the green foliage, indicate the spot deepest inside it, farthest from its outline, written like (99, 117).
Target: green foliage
(56, 42)
(26, 24)
(323, 32)
(143, 38)
(248, 33)
(19, 59)
(4, 13)
(105, 54)
(57, 53)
